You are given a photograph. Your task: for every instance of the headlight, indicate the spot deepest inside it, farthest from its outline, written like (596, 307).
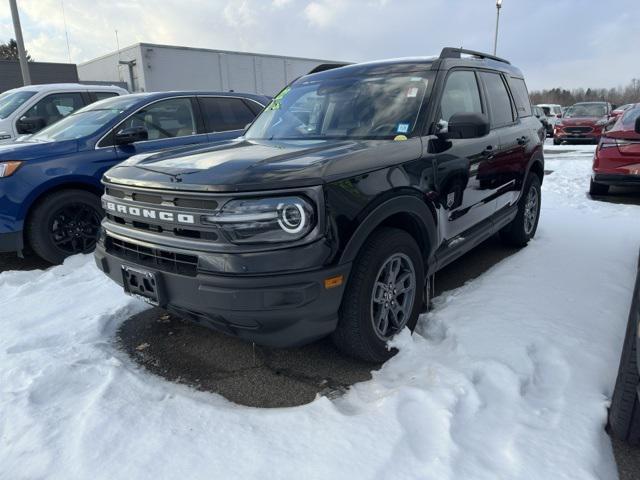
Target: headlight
(8, 168)
(602, 122)
(265, 220)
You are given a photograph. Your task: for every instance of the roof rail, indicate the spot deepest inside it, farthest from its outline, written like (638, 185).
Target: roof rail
(327, 66)
(449, 52)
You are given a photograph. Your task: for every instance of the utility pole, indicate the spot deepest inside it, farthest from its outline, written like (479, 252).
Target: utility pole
(22, 54)
(495, 40)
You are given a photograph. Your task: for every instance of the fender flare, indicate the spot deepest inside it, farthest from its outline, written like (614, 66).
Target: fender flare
(406, 204)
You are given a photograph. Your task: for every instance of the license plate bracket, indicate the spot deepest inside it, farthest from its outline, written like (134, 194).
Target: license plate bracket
(142, 284)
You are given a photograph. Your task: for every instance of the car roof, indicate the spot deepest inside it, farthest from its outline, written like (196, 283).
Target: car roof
(67, 86)
(420, 63)
(263, 99)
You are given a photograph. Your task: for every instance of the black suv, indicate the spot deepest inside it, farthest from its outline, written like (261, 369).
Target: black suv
(335, 209)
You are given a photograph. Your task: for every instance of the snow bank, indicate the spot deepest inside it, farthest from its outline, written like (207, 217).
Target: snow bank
(508, 377)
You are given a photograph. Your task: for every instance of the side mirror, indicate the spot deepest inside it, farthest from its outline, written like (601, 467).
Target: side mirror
(29, 125)
(638, 125)
(558, 115)
(131, 135)
(468, 125)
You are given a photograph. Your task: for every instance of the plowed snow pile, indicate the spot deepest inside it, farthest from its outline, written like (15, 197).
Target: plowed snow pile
(507, 378)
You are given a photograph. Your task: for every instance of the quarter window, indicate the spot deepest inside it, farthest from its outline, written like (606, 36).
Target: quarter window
(461, 95)
(165, 119)
(499, 101)
(521, 96)
(223, 114)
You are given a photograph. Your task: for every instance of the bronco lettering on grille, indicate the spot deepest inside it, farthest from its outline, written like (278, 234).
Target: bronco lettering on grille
(150, 213)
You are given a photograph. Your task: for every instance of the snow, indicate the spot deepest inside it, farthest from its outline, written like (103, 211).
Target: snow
(508, 377)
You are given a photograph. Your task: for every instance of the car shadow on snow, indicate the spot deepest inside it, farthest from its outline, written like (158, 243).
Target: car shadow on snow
(256, 376)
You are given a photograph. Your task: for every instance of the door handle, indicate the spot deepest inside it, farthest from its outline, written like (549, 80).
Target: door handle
(523, 140)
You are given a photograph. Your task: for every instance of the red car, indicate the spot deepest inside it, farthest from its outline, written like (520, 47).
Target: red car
(582, 122)
(617, 158)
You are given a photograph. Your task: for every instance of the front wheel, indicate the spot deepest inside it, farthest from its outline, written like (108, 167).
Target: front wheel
(383, 296)
(523, 227)
(63, 224)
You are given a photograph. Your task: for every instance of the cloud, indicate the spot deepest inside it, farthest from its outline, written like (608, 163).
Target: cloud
(555, 43)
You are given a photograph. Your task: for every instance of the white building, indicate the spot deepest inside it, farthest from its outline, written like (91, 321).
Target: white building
(148, 67)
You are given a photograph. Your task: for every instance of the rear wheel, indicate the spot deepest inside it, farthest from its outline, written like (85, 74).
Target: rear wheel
(383, 296)
(598, 188)
(63, 224)
(523, 227)
(624, 413)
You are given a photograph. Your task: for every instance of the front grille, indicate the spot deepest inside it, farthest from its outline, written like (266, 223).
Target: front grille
(183, 200)
(578, 129)
(210, 235)
(152, 257)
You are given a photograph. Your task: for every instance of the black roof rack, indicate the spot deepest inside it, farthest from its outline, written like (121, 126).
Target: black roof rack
(449, 52)
(327, 66)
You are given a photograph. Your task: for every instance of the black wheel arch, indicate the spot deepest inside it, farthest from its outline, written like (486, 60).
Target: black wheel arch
(406, 212)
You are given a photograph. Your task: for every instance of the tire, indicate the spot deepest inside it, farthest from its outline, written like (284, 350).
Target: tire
(624, 413)
(523, 227)
(64, 223)
(557, 141)
(356, 334)
(598, 188)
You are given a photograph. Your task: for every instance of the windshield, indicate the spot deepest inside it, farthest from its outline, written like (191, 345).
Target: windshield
(361, 108)
(592, 110)
(10, 101)
(85, 121)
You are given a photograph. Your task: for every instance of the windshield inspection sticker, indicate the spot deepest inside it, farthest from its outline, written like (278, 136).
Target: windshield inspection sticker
(402, 128)
(412, 92)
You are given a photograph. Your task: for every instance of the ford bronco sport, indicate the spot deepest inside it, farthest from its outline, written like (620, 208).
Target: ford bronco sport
(335, 209)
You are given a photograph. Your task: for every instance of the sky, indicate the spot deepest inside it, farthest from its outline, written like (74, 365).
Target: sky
(567, 43)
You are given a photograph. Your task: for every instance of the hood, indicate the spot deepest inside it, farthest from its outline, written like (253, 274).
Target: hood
(244, 165)
(35, 150)
(580, 121)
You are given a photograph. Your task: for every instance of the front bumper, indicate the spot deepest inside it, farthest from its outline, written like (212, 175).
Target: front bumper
(616, 179)
(11, 242)
(280, 310)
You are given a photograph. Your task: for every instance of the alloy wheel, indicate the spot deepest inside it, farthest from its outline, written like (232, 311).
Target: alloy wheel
(393, 295)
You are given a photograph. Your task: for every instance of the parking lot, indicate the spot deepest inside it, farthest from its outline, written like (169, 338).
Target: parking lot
(84, 361)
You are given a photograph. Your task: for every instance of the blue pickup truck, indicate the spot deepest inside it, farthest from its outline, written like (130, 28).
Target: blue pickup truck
(50, 182)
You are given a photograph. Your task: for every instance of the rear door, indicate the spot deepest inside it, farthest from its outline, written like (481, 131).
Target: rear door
(501, 176)
(171, 122)
(461, 163)
(225, 117)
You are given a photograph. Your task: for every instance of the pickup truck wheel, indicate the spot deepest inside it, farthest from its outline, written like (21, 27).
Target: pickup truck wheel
(383, 295)
(64, 223)
(523, 227)
(598, 188)
(624, 413)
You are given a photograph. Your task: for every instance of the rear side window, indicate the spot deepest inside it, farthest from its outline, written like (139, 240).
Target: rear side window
(460, 95)
(103, 95)
(223, 114)
(498, 99)
(521, 97)
(630, 116)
